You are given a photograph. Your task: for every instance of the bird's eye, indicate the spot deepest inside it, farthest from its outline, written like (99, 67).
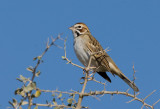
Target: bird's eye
(79, 26)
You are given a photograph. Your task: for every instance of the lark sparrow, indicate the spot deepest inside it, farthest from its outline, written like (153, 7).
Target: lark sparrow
(85, 46)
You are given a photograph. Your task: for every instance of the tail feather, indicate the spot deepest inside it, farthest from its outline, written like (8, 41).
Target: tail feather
(105, 76)
(130, 83)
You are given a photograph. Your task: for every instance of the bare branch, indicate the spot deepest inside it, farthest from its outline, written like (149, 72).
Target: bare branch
(35, 68)
(82, 92)
(149, 95)
(156, 102)
(65, 57)
(51, 105)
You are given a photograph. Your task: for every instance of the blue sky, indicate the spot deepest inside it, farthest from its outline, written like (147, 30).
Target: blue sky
(130, 28)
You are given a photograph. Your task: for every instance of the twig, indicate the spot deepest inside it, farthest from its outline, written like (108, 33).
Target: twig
(82, 92)
(35, 68)
(117, 92)
(156, 102)
(94, 93)
(65, 57)
(51, 105)
(149, 95)
(56, 91)
(99, 82)
(134, 78)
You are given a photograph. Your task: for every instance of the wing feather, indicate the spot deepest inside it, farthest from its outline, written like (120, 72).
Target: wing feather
(98, 52)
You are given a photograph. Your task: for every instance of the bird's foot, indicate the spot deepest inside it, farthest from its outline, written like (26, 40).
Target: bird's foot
(91, 76)
(87, 69)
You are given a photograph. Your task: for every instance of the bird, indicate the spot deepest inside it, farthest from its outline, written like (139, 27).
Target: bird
(86, 46)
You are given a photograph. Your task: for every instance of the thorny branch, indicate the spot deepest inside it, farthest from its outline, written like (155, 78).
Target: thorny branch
(51, 105)
(86, 79)
(91, 93)
(38, 63)
(82, 94)
(69, 61)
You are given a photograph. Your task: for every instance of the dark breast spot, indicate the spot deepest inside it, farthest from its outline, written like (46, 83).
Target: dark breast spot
(77, 33)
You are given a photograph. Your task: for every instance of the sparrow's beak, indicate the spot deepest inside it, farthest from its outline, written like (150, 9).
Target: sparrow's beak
(71, 28)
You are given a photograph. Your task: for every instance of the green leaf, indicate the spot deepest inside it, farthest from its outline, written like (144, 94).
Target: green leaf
(35, 58)
(36, 107)
(11, 104)
(39, 57)
(63, 58)
(54, 101)
(33, 84)
(38, 73)
(53, 94)
(30, 87)
(24, 103)
(14, 102)
(60, 95)
(23, 78)
(70, 100)
(18, 91)
(37, 94)
(23, 94)
(19, 79)
(30, 69)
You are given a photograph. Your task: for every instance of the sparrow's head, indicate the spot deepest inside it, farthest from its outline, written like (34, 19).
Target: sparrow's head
(79, 29)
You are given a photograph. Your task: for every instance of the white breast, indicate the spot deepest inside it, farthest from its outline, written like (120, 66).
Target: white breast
(82, 55)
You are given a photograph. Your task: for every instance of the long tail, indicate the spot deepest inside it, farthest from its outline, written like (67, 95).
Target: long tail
(130, 83)
(105, 76)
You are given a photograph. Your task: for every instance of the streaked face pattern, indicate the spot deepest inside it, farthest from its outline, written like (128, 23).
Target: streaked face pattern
(79, 29)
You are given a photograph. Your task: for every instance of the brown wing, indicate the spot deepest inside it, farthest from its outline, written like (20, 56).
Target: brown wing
(99, 55)
(98, 52)
(105, 60)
